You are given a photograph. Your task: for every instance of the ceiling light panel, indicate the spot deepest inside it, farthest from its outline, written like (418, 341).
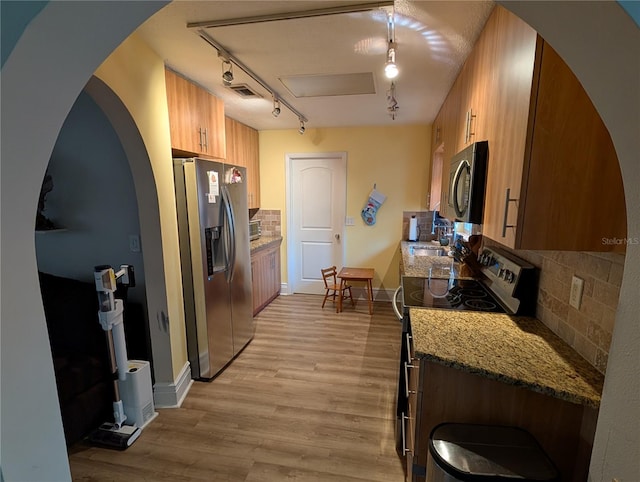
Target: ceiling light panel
(330, 84)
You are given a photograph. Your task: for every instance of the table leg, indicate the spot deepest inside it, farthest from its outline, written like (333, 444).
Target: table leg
(370, 296)
(339, 305)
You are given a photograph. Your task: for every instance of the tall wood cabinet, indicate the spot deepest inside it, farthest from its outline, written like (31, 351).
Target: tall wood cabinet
(243, 150)
(196, 118)
(553, 179)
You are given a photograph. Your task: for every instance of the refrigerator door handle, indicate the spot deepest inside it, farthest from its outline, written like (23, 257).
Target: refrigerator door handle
(226, 199)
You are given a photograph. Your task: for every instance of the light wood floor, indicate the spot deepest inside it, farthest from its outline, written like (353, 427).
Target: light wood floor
(311, 398)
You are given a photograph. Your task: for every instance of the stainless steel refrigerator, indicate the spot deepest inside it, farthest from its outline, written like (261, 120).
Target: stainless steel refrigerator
(213, 225)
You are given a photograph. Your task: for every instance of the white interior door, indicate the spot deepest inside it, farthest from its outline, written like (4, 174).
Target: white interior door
(316, 200)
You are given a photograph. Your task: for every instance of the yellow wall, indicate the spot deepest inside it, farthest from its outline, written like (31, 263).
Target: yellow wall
(136, 74)
(395, 158)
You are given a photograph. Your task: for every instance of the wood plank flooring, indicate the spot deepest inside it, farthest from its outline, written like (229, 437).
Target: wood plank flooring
(311, 398)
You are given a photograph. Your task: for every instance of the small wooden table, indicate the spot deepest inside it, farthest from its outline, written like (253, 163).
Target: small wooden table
(357, 274)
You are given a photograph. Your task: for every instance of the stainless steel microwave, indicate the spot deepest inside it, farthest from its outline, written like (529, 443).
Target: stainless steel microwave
(467, 182)
(255, 229)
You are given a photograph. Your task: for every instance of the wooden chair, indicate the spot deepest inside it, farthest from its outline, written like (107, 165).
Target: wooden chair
(333, 288)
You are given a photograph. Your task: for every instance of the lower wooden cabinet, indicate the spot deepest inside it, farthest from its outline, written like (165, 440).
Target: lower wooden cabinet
(444, 394)
(265, 274)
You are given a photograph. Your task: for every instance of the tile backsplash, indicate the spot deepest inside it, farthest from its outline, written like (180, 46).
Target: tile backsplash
(271, 221)
(589, 329)
(425, 218)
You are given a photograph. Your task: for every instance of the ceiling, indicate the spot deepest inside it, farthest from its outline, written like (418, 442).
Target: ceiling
(433, 39)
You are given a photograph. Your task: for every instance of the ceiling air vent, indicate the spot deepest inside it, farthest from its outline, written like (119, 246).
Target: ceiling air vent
(243, 90)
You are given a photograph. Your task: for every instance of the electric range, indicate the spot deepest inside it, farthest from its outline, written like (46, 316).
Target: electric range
(507, 285)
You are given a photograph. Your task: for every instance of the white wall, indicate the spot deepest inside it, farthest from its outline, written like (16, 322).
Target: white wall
(50, 65)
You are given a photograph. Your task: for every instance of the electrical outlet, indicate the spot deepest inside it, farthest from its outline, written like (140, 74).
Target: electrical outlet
(577, 285)
(349, 221)
(134, 243)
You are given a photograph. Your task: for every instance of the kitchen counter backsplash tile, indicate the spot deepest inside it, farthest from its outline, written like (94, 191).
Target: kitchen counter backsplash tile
(513, 349)
(588, 330)
(423, 266)
(424, 224)
(271, 221)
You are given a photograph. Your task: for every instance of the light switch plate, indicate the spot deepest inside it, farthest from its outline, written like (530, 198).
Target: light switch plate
(575, 298)
(349, 221)
(134, 243)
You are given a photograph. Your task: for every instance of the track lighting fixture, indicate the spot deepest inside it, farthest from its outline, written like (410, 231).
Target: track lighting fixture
(390, 68)
(392, 106)
(227, 73)
(228, 61)
(276, 107)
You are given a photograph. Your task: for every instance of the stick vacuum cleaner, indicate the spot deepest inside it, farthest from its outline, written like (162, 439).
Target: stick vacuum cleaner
(114, 434)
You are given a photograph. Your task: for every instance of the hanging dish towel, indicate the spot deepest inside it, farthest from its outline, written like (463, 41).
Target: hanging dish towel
(371, 207)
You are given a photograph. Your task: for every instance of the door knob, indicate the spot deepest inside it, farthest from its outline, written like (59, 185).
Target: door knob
(337, 236)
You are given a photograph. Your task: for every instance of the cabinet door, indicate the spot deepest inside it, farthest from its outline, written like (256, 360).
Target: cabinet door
(255, 282)
(252, 156)
(437, 151)
(243, 150)
(213, 123)
(415, 398)
(196, 118)
(574, 195)
(449, 114)
(185, 128)
(464, 120)
(265, 272)
(508, 100)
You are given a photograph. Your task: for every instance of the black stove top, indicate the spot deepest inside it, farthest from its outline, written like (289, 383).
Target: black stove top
(448, 294)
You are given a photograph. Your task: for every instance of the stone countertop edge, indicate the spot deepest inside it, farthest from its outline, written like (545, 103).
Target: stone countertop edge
(425, 266)
(517, 350)
(264, 242)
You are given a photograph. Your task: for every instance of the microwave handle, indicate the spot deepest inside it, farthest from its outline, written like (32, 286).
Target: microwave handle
(453, 190)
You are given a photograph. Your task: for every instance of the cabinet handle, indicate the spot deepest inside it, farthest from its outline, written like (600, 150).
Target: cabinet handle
(409, 357)
(405, 449)
(206, 138)
(468, 133)
(507, 200)
(200, 134)
(406, 379)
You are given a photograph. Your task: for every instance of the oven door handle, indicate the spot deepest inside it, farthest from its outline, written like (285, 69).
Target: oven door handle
(395, 302)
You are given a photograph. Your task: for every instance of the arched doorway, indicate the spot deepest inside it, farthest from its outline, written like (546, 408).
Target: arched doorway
(597, 40)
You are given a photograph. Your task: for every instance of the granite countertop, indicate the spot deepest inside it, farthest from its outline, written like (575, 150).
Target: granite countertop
(264, 242)
(517, 350)
(429, 266)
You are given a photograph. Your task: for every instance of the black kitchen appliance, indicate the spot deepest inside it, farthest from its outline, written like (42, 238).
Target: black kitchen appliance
(467, 179)
(507, 284)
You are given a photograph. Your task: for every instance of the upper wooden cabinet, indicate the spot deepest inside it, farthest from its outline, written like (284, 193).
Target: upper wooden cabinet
(553, 179)
(196, 118)
(243, 150)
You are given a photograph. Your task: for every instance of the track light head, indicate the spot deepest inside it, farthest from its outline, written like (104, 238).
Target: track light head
(276, 108)
(227, 73)
(302, 128)
(390, 68)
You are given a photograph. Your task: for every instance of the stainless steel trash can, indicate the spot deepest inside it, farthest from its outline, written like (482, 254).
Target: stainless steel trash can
(468, 452)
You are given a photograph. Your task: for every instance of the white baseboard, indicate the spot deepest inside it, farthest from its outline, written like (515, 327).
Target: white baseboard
(171, 395)
(384, 295)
